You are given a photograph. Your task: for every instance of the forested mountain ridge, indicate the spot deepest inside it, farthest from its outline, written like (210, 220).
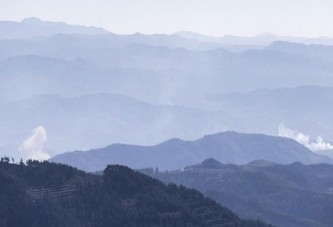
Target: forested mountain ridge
(35, 195)
(285, 195)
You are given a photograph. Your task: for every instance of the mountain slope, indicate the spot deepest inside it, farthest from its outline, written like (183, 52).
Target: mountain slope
(285, 195)
(44, 194)
(228, 147)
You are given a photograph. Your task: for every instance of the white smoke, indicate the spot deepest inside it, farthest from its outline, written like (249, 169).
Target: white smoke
(33, 146)
(318, 145)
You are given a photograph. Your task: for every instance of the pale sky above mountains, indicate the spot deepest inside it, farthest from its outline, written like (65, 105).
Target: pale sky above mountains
(307, 18)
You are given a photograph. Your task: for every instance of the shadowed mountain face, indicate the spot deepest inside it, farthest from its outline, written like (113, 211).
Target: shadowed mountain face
(45, 194)
(228, 147)
(284, 195)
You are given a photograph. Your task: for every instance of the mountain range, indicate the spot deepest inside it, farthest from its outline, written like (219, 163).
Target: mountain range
(195, 87)
(68, 92)
(227, 147)
(196, 73)
(262, 39)
(36, 28)
(97, 119)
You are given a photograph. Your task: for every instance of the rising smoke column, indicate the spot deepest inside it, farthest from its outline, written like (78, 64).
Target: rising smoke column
(33, 146)
(318, 145)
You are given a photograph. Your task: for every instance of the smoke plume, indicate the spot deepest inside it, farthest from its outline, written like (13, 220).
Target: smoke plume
(33, 146)
(318, 145)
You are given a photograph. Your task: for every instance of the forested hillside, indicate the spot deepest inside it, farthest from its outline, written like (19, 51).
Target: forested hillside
(293, 195)
(47, 194)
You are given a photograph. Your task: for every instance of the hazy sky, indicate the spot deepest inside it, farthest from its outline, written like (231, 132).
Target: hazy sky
(212, 17)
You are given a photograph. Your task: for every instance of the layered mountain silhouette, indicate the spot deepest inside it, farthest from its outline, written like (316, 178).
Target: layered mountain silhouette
(177, 75)
(196, 72)
(184, 78)
(227, 147)
(36, 28)
(87, 88)
(262, 39)
(99, 119)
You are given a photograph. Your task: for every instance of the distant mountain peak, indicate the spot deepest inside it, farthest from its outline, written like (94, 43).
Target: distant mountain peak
(211, 163)
(267, 34)
(31, 20)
